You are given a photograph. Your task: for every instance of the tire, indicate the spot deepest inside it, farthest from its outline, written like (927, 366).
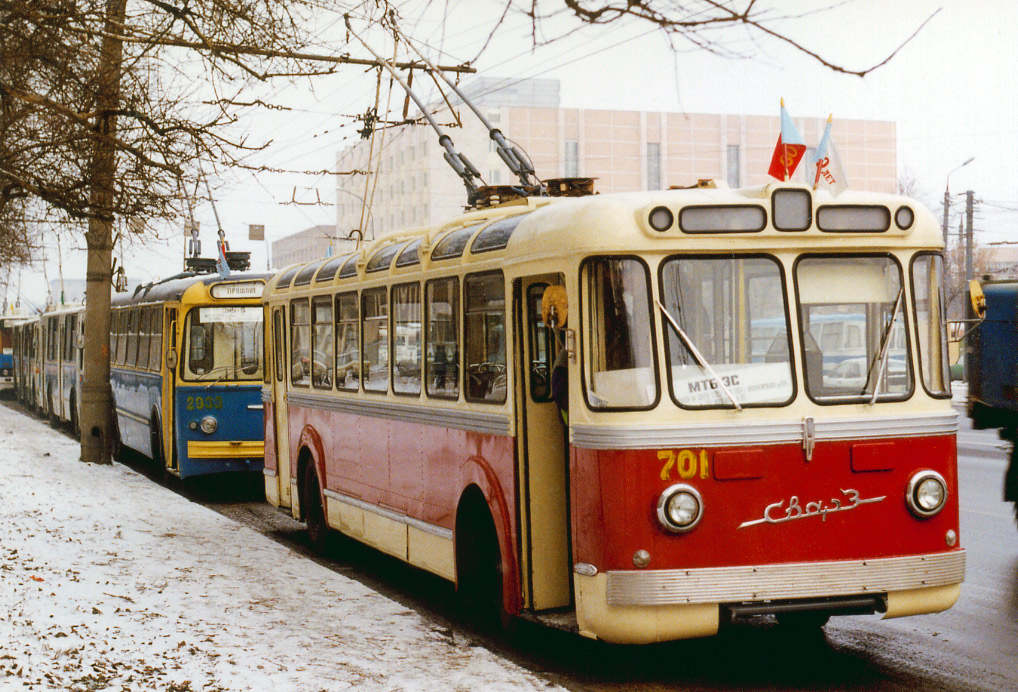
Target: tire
(157, 445)
(1011, 475)
(75, 423)
(51, 415)
(479, 568)
(804, 622)
(314, 513)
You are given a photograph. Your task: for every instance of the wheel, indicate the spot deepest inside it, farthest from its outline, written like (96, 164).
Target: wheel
(75, 423)
(51, 415)
(156, 443)
(314, 513)
(479, 568)
(1011, 475)
(803, 622)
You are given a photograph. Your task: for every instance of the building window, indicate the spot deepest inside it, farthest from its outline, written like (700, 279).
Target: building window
(571, 163)
(494, 177)
(653, 166)
(733, 165)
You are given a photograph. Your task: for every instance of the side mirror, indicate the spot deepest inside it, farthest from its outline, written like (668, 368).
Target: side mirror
(978, 298)
(171, 358)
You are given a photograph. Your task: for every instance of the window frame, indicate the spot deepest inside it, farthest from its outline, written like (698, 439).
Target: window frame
(792, 355)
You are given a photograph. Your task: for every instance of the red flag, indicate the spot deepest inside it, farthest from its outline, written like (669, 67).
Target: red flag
(789, 150)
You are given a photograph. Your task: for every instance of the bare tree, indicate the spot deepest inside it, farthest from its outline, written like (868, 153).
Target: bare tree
(109, 108)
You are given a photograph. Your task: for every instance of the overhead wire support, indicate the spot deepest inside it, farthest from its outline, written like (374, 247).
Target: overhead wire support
(464, 169)
(518, 162)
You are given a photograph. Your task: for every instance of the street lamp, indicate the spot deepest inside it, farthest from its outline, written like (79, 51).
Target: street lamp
(947, 196)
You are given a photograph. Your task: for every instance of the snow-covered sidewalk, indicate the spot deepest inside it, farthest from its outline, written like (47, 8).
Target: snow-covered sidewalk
(110, 581)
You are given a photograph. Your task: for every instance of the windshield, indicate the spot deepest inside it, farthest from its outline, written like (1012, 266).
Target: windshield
(726, 332)
(619, 354)
(223, 344)
(927, 286)
(852, 320)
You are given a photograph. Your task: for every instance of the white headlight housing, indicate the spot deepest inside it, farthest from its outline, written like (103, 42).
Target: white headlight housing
(209, 425)
(679, 508)
(926, 494)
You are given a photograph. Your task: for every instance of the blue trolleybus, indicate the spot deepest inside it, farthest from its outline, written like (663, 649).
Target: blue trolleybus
(186, 372)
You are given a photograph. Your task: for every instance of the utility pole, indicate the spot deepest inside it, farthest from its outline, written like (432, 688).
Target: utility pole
(969, 314)
(947, 209)
(968, 235)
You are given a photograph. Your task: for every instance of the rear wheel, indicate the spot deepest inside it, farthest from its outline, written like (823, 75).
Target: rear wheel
(51, 413)
(314, 513)
(156, 443)
(75, 424)
(479, 566)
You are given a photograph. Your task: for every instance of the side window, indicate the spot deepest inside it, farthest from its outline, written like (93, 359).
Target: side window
(484, 338)
(277, 342)
(156, 344)
(376, 340)
(300, 343)
(406, 317)
(143, 338)
(348, 349)
(443, 335)
(122, 336)
(114, 328)
(321, 351)
(132, 337)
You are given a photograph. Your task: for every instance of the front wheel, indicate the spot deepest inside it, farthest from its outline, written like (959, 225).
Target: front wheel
(314, 513)
(1011, 479)
(804, 622)
(479, 571)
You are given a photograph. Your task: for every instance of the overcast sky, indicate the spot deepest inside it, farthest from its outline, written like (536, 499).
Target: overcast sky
(952, 90)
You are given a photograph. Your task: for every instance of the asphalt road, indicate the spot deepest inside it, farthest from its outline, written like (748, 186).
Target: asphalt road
(973, 646)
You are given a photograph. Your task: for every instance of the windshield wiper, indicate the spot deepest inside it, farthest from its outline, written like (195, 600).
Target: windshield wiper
(701, 361)
(224, 371)
(885, 342)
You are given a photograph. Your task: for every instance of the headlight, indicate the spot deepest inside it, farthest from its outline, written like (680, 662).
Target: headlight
(926, 494)
(209, 425)
(679, 508)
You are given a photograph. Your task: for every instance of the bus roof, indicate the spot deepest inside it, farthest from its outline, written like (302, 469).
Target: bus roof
(173, 288)
(708, 217)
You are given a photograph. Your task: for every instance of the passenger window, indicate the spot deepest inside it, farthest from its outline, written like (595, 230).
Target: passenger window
(348, 370)
(321, 352)
(132, 338)
(122, 329)
(376, 340)
(156, 344)
(484, 342)
(442, 360)
(300, 343)
(406, 315)
(143, 338)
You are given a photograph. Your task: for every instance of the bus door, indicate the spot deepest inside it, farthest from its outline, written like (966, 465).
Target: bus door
(542, 450)
(168, 369)
(279, 413)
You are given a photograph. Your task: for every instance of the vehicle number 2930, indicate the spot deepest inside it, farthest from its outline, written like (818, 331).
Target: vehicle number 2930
(200, 403)
(684, 462)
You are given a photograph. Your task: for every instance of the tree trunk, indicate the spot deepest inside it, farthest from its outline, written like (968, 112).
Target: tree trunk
(96, 400)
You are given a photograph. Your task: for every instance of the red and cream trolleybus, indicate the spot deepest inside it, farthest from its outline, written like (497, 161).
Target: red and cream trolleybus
(719, 459)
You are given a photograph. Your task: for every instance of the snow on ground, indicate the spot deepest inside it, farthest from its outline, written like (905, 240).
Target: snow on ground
(109, 581)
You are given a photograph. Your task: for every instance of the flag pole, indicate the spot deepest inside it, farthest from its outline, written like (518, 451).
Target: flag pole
(816, 180)
(784, 149)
